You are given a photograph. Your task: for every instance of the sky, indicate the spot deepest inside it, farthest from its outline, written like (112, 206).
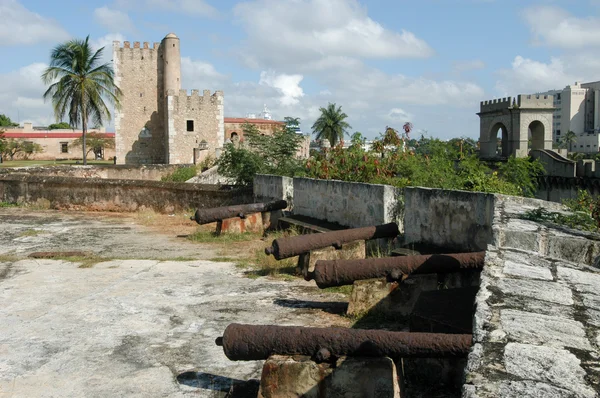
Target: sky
(428, 62)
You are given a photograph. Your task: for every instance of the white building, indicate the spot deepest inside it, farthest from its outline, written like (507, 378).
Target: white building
(577, 109)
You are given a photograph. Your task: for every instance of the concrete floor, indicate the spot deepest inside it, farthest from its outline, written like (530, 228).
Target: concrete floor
(127, 327)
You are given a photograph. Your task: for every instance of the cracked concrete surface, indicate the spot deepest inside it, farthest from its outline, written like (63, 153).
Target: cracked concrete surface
(127, 327)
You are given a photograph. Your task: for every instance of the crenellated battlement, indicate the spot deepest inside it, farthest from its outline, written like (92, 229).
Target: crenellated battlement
(195, 93)
(496, 104)
(136, 44)
(535, 101)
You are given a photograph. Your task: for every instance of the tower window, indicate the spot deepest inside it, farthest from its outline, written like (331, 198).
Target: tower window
(190, 125)
(64, 147)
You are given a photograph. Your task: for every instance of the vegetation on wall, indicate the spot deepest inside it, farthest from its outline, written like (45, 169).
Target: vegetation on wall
(585, 213)
(257, 153)
(182, 174)
(59, 126)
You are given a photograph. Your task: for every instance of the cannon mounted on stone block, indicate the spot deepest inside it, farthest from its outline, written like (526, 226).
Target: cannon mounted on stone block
(296, 245)
(259, 342)
(207, 216)
(346, 272)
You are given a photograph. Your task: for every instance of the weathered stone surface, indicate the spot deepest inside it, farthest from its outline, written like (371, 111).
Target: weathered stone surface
(557, 367)
(235, 225)
(350, 251)
(554, 331)
(372, 295)
(529, 241)
(546, 291)
(527, 271)
(582, 281)
(531, 389)
(285, 376)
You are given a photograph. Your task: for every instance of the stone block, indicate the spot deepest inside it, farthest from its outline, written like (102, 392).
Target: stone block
(349, 251)
(287, 377)
(251, 223)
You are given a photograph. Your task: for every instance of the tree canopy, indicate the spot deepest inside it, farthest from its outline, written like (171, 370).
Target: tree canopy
(59, 126)
(80, 86)
(6, 122)
(331, 124)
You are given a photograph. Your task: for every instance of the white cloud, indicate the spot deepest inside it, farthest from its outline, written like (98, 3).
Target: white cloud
(21, 96)
(22, 27)
(289, 85)
(399, 116)
(106, 41)
(553, 26)
(113, 20)
(296, 32)
(529, 76)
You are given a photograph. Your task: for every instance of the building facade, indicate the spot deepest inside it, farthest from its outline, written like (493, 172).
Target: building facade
(59, 144)
(158, 122)
(577, 109)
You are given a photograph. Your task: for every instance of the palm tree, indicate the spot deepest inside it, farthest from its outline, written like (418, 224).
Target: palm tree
(331, 125)
(79, 85)
(568, 140)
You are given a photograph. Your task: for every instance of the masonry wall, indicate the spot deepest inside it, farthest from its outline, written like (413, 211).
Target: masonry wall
(116, 195)
(270, 188)
(140, 131)
(456, 220)
(152, 172)
(266, 127)
(52, 150)
(346, 203)
(206, 114)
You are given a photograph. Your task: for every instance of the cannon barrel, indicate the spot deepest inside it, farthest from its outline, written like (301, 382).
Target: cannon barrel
(251, 342)
(346, 272)
(206, 216)
(295, 245)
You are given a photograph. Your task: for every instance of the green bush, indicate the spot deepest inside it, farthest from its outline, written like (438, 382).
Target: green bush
(181, 175)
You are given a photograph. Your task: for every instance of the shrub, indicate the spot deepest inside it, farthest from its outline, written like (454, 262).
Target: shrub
(181, 175)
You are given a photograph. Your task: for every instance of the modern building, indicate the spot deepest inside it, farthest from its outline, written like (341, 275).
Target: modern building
(577, 109)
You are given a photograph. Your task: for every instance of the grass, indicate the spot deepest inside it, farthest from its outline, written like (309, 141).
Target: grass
(6, 204)
(32, 163)
(345, 290)
(87, 261)
(31, 232)
(212, 237)
(8, 258)
(224, 260)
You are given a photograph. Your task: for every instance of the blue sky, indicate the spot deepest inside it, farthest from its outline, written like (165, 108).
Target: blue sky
(429, 62)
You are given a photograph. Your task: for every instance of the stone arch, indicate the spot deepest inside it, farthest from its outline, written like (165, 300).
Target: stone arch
(491, 127)
(536, 129)
(234, 136)
(500, 132)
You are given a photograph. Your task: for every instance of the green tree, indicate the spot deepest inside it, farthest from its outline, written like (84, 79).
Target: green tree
(20, 148)
(6, 122)
(95, 141)
(59, 126)
(272, 154)
(331, 125)
(80, 85)
(568, 140)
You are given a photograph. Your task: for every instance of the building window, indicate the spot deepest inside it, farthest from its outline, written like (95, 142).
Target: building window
(190, 125)
(588, 146)
(557, 132)
(64, 147)
(558, 96)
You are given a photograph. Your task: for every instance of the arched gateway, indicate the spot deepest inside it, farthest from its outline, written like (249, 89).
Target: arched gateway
(508, 125)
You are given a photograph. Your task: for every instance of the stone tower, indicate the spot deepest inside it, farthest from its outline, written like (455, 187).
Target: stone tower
(158, 122)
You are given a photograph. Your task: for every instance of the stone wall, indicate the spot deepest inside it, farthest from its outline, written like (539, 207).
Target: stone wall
(152, 172)
(192, 119)
(448, 219)
(269, 188)
(536, 329)
(139, 124)
(346, 203)
(116, 195)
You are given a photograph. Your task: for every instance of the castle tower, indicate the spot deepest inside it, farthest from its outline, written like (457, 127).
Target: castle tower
(172, 63)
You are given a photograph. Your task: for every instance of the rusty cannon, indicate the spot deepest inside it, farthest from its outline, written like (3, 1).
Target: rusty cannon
(296, 245)
(346, 272)
(207, 216)
(252, 342)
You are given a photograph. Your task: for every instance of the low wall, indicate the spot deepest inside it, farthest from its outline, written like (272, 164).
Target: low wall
(556, 189)
(268, 187)
(346, 203)
(458, 220)
(116, 195)
(119, 172)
